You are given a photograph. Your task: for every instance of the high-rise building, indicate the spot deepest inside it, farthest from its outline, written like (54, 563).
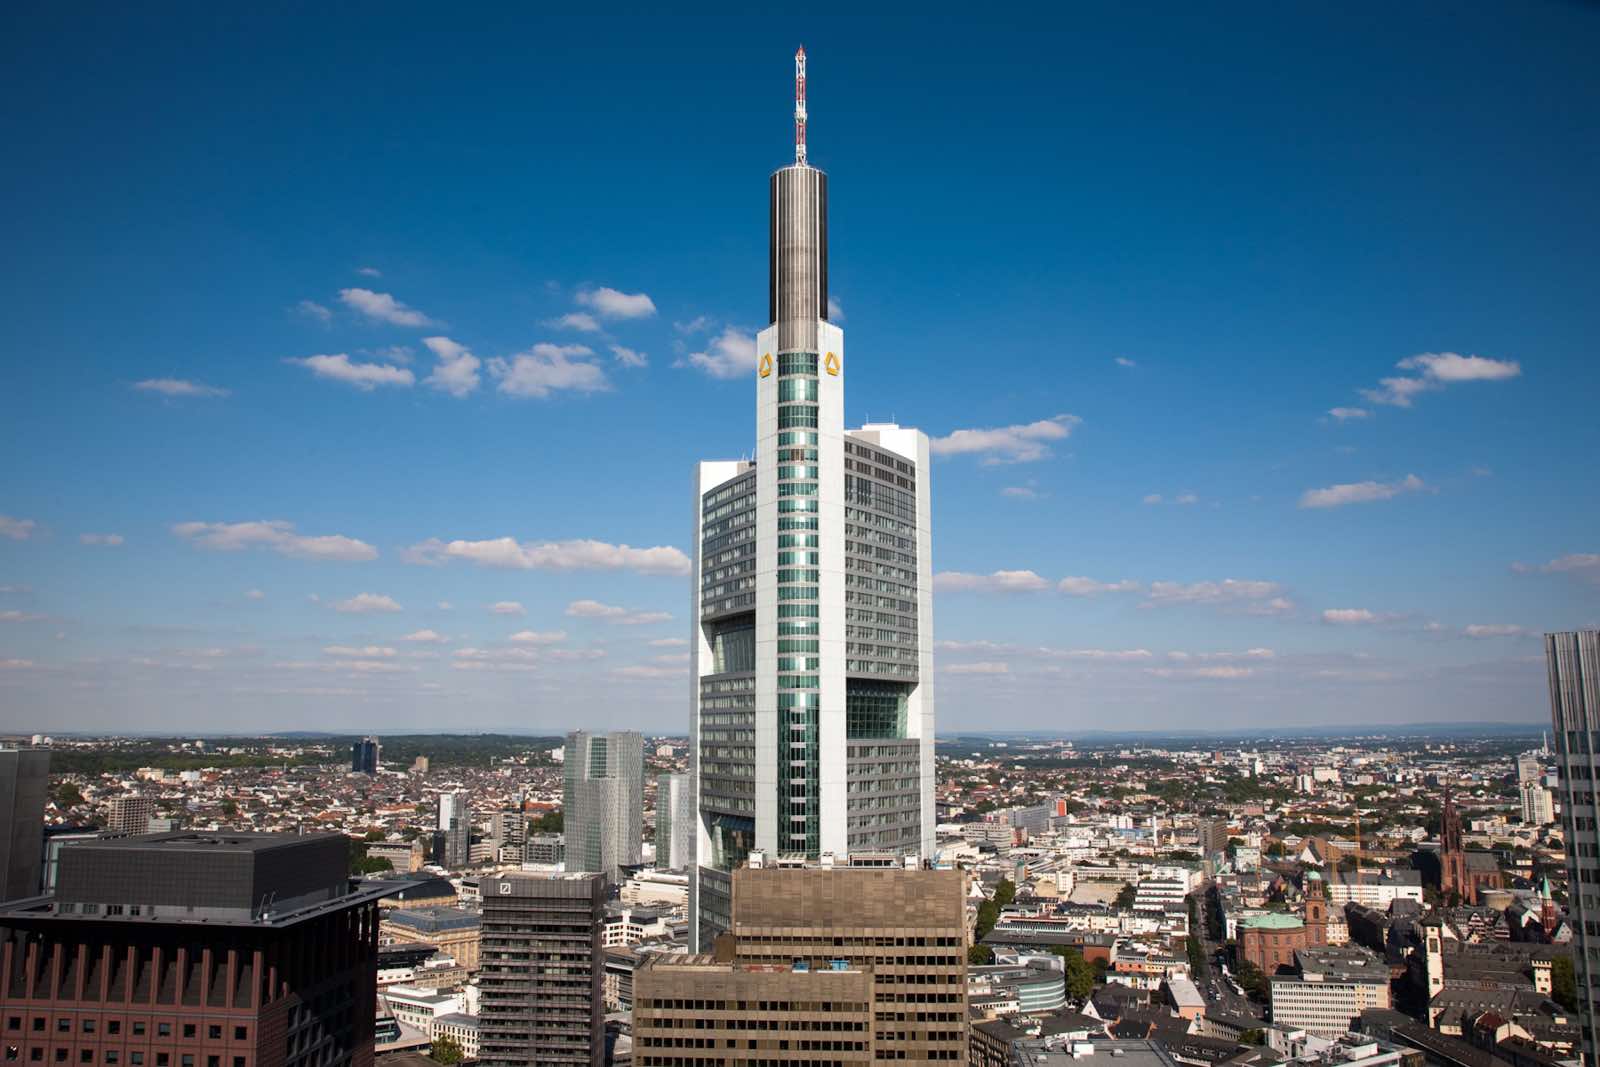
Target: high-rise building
(542, 969)
(208, 950)
(812, 723)
(1573, 661)
(603, 801)
(130, 814)
(24, 781)
(905, 926)
(675, 821)
(364, 755)
(455, 830)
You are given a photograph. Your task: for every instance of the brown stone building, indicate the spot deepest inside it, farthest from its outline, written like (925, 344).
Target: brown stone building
(194, 950)
(906, 927)
(694, 1011)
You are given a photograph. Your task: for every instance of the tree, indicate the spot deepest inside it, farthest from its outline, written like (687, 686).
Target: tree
(1563, 987)
(1081, 975)
(1126, 895)
(1004, 893)
(980, 955)
(446, 1050)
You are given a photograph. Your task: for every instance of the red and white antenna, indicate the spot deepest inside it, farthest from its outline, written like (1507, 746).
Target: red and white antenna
(800, 106)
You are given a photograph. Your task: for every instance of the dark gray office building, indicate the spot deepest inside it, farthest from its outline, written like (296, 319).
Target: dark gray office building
(24, 781)
(541, 971)
(1573, 660)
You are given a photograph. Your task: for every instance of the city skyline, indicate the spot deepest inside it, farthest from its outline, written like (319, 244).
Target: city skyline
(1241, 401)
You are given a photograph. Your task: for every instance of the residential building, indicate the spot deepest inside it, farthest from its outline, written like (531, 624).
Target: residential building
(603, 802)
(698, 1011)
(1573, 661)
(906, 926)
(454, 836)
(542, 970)
(130, 814)
(24, 783)
(220, 949)
(364, 756)
(811, 638)
(675, 821)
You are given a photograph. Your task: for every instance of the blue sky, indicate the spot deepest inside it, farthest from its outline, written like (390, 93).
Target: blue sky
(298, 301)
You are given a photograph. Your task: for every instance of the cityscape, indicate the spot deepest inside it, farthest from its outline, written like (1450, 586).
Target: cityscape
(722, 787)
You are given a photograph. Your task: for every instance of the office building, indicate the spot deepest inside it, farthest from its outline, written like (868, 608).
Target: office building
(674, 821)
(1573, 661)
(603, 802)
(695, 1011)
(24, 781)
(130, 814)
(454, 836)
(200, 950)
(364, 756)
(906, 926)
(542, 971)
(812, 627)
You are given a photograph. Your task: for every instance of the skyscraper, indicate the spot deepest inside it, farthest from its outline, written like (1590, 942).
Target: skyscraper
(541, 971)
(674, 821)
(455, 829)
(364, 756)
(24, 780)
(603, 801)
(1573, 661)
(812, 722)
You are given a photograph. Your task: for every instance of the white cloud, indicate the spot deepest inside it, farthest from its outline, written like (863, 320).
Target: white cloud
(254, 594)
(1253, 597)
(998, 582)
(383, 307)
(368, 652)
(980, 667)
(507, 607)
(612, 304)
(1435, 370)
(17, 529)
(1078, 586)
(730, 354)
(546, 368)
(630, 357)
(593, 609)
(1022, 443)
(178, 387)
(1494, 630)
(427, 637)
(574, 555)
(1020, 492)
(1335, 496)
(538, 637)
(575, 320)
(1124, 361)
(110, 539)
(369, 272)
(1345, 414)
(364, 376)
(367, 604)
(1152, 498)
(456, 372)
(313, 310)
(276, 535)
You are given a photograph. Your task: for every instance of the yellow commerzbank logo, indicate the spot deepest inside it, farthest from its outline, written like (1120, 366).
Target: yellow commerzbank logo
(766, 364)
(831, 363)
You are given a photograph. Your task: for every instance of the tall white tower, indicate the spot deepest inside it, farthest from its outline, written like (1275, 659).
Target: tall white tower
(812, 642)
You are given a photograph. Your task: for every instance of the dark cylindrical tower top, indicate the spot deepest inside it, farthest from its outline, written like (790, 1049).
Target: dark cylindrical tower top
(798, 262)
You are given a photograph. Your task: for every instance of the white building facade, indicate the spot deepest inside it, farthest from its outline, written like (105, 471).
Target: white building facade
(812, 638)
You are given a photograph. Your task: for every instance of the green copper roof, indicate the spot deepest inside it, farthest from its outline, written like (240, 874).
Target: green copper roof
(1272, 920)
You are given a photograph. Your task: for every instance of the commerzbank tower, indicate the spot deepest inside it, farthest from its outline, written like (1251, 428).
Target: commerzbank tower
(812, 645)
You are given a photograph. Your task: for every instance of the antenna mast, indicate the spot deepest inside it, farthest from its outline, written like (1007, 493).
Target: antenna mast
(800, 106)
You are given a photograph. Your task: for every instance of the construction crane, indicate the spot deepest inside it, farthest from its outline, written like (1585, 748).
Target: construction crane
(800, 107)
